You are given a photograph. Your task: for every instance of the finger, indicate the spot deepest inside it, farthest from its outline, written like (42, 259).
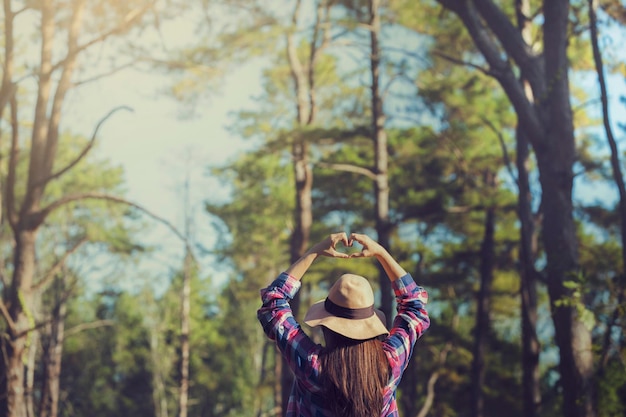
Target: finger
(337, 254)
(336, 237)
(357, 255)
(355, 236)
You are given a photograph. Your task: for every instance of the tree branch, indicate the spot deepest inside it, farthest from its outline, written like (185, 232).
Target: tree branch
(430, 386)
(13, 156)
(7, 86)
(7, 316)
(460, 209)
(57, 266)
(349, 168)
(30, 329)
(130, 18)
(87, 326)
(499, 67)
(505, 153)
(464, 63)
(313, 53)
(508, 34)
(614, 9)
(86, 149)
(44, 212)
(103, 75)
(296, 69)
(62, 88)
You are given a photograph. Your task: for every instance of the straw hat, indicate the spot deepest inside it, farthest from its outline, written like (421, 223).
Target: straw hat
(349, 310)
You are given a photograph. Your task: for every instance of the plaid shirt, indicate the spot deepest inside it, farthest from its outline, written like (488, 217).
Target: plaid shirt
(302, 354)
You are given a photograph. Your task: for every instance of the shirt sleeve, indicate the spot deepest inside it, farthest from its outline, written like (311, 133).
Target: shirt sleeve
(278, 323)
(409, 324)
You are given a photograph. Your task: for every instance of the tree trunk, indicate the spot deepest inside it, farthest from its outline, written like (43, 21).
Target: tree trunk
(379, 136)
(53, 354)
(299, 237)
(19, 300)
(481, 329)
(184, 338)
(617, 177)
(556, 161)
(279, 387)
(159, 397)
(304, 88)
(531, 392)
(185, 309)
(31, 364)
(20, 296)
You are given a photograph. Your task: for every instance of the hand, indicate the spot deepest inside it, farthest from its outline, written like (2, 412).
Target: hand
(370, 246)
(327, 247)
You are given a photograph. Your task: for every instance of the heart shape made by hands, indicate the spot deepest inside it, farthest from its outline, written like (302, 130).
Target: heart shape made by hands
(353, 248)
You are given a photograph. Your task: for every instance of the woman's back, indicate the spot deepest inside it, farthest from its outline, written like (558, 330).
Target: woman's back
(354, 374)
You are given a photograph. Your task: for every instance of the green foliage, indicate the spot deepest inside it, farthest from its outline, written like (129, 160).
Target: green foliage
(106, 370)
(259, 211)
(574, 299)
(612, 391)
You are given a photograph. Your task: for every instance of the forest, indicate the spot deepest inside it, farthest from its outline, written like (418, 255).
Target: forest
(479, 141)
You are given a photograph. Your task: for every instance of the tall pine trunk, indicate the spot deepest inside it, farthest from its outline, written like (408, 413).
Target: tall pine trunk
(381, 158)
(306, 109)
(616, 166)
(52, 355)
(556, 156)
(531, 392)
(482, 326)
(19, 300)
(183, 388)
(185, 308)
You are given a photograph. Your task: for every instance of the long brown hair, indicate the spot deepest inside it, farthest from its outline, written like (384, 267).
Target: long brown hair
(353, 375)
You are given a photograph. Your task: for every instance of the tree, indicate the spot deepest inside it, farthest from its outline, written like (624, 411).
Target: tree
(304, 77)
(548, 123)
(381, 157)
(528, 246)
(616, 168)
(27, 209)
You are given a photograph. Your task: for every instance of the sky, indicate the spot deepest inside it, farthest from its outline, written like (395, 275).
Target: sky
(158, 149)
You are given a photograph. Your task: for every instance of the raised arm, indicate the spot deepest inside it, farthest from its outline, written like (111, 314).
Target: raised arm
(276, 316)
(324, 248)
(371, 248)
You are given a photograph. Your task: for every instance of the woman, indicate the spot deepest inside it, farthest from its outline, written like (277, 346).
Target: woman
(358, 370)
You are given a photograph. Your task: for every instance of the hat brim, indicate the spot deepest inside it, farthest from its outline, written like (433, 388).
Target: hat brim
(357, 329)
